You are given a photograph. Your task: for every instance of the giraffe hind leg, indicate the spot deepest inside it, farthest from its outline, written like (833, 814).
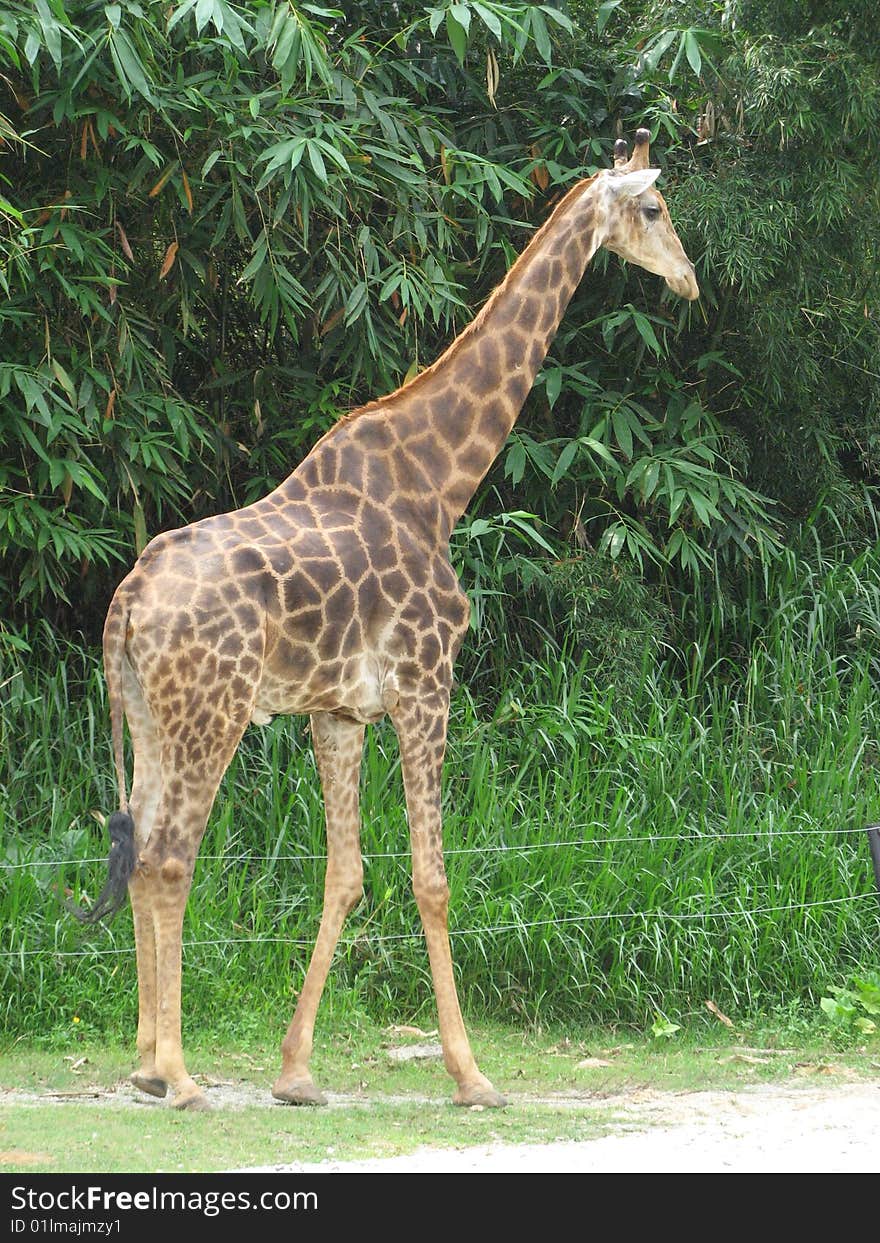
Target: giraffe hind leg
(180, 777)
(165, 875)
(144, 802)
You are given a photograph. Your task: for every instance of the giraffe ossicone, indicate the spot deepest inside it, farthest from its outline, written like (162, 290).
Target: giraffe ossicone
(334, 596)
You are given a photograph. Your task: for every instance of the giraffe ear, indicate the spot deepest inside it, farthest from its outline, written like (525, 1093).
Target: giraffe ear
(630, 185)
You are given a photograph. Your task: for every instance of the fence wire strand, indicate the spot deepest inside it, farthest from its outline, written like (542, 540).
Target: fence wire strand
(475, 850)
(353, 941)
(361, 939)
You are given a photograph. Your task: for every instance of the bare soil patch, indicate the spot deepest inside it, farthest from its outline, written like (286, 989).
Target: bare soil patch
(766, 1128)
(797, 1125)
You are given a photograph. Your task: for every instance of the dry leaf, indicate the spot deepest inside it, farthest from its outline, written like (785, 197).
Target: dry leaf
(111, 402)
(187, 191)
(123, 242)
(162, 180)
(564, 1046)
(817, 1068)
(492, 76)
(78, 1094)
(713, 1009)
(16, 1156)
(168, 261)
(539, 174)
(331, 323)
(745, 1057)
(402, 1029)
(745, 1048)
(593, 1063)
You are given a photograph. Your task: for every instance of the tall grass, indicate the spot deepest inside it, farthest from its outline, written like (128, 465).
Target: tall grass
(720, 785)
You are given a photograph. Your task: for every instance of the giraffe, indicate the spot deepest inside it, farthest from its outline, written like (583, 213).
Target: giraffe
(334, 596)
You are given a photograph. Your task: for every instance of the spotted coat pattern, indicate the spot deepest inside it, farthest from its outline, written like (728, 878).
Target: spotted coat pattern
(332, 596)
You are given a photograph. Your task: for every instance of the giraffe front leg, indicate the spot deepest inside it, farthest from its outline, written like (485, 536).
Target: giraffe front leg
(421, 729)
(338, 745)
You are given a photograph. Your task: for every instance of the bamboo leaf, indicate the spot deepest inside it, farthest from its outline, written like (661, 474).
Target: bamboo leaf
(604, 13)
(692, 50)
(129, 67)
(140, 527)
(457, 34)
(540, 34)
(565, 459)
(646, 332)
(489, 19)
(552, 384)
(316, 160)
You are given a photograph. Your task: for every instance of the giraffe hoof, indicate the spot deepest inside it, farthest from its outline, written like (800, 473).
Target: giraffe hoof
(196, 1102)
(152, 1085)
(301, 1092)
(482, 1094)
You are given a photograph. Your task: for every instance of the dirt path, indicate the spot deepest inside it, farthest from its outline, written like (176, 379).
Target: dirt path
(776, 1127)
(772, 1128)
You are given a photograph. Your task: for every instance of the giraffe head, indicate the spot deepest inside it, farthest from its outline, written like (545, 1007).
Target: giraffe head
(638, 227)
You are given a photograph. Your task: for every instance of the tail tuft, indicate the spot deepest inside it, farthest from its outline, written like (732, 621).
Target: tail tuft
(120, 865)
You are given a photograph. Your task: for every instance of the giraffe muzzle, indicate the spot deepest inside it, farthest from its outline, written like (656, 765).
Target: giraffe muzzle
(684, 282)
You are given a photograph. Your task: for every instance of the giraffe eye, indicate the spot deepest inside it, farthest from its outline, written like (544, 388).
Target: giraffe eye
(651, 212)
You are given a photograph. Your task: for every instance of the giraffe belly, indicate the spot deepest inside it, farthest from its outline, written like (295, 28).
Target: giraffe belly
(351, 688)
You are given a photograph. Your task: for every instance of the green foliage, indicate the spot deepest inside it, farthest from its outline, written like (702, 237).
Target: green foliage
(710, 818)
(609, 617)
(228, 224)
(853, 1008)
(221, 225)
(663, 1027)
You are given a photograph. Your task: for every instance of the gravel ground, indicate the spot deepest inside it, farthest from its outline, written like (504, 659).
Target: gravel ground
(770, 1128)
(767, 1129)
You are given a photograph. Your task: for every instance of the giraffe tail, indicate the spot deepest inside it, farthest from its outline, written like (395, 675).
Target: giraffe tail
(122, 858)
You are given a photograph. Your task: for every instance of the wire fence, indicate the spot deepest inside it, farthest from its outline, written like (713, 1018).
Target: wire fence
(559, 921)
(375, 939)
(576, 843)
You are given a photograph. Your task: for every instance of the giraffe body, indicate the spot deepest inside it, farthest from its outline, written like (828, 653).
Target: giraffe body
(334, 596)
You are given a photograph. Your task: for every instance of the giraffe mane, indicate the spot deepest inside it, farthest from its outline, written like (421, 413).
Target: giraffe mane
(464, 336)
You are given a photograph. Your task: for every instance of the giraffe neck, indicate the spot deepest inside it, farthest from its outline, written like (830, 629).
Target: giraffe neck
(426, 447)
